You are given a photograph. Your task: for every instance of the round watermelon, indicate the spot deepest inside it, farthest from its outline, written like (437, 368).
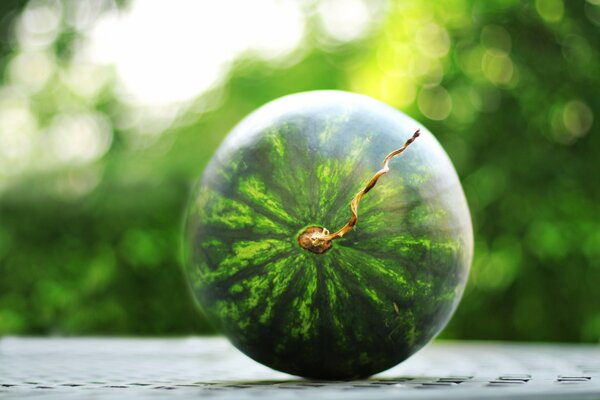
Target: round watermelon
(261, 258)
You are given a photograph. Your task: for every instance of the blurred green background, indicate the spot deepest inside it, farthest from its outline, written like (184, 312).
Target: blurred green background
(109, 112)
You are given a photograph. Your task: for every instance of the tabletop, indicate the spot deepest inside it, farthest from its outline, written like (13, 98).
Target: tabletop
(211, 367)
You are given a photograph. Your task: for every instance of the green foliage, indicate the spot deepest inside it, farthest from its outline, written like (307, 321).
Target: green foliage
(510, 89)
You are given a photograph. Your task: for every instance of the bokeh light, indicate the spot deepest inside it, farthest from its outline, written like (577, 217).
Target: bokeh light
(550, 10)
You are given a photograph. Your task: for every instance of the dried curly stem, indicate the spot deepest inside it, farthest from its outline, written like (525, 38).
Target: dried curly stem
(324, 236)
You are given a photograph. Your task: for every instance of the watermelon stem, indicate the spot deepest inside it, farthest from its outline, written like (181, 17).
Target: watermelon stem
(318, 239)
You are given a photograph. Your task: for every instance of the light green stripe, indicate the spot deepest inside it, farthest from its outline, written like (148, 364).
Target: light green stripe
(254, 190)
(304, 316)
(215, 210)
(246, 254)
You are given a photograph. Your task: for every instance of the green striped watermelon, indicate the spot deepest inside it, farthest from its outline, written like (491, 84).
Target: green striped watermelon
(376, 295)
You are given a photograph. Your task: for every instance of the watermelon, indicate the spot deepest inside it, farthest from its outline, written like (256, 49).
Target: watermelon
(355, 305)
